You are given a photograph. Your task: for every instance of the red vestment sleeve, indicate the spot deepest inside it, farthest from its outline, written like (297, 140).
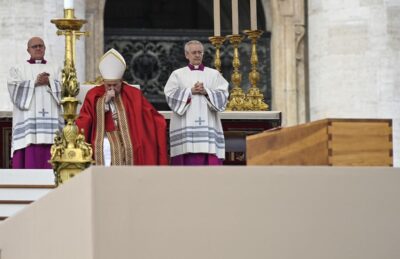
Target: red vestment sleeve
(85, 119)
(159, 132)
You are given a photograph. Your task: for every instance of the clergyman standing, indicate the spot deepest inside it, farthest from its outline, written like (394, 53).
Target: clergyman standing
(196, 94)
(35, 91)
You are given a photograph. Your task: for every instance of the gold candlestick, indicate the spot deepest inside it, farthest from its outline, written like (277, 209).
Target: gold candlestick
(237, 97)
(217, 42)
(70, 154)
(254, 97)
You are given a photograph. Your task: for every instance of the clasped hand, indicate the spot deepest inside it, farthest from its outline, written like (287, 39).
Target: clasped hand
(42, 79)
(198, 88)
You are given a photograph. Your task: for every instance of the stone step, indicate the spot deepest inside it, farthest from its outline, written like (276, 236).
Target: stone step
(21, 187)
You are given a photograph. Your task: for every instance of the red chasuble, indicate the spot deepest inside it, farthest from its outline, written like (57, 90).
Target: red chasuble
(146, 127)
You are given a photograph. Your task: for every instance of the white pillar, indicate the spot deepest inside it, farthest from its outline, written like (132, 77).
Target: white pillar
(354, 61)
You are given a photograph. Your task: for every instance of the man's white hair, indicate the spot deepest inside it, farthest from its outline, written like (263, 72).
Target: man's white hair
(191, 43)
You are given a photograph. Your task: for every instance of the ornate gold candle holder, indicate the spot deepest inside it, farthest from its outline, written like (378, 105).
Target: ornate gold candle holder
(254, 97)
(70, 154)
(217, 42)
(236, 97)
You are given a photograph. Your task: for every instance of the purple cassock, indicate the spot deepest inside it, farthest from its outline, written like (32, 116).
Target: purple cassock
(34, 156)
(196, 159)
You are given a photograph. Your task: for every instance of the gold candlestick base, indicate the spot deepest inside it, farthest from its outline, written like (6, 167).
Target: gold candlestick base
(254, 98)
(217, 42)
(237, 96)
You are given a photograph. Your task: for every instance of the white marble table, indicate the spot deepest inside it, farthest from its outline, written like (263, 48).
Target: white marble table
(241, 115)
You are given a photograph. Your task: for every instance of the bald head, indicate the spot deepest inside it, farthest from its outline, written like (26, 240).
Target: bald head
(34, 40)
(36, 48)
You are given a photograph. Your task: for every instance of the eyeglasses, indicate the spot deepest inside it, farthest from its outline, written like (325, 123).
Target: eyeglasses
(37, 46)
(196, 52)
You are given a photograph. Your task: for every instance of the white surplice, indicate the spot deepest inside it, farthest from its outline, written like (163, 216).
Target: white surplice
(195, 126)
(37, 110)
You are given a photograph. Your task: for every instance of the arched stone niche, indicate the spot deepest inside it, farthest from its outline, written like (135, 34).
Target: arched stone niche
(285, 20)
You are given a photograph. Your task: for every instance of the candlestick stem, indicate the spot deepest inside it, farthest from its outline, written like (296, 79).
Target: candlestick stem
(217, 42)
(254, 97)
(237, 97)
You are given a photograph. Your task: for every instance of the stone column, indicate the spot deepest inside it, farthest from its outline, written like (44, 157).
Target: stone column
(354, 60)
(287, 57)
(95, 42)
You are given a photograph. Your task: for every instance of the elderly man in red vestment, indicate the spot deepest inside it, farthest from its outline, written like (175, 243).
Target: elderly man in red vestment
(122, 126)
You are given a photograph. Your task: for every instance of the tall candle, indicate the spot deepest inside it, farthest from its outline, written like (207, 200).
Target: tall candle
(253, 14)
(235, 17)
(217, 18)
(68, 4)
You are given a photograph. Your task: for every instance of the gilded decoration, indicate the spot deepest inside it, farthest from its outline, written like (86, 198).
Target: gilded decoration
(70, 154)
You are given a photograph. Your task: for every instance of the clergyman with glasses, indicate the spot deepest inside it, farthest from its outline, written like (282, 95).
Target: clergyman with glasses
(196, 94)
(35, 91)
